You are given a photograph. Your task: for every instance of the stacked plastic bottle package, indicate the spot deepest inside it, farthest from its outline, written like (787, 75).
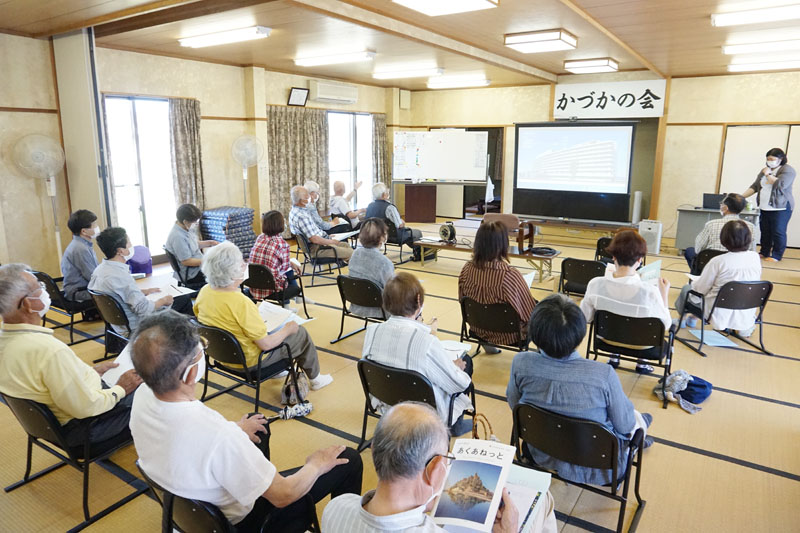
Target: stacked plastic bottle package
(229, 223)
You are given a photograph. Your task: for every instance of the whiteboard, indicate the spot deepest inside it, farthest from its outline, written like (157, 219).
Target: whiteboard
(444, 155)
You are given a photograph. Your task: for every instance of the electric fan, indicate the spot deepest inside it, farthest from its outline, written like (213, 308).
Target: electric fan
(247, 150)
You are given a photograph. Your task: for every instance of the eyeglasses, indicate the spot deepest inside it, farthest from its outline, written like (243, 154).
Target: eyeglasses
(42, 287)
(448, 458)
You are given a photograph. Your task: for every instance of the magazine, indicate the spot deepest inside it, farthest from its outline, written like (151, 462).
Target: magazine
(651, 273)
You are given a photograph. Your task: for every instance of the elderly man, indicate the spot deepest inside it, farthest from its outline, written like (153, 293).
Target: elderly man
(383, 209)
(339, 203)
(192, 451)
(301, 221)
(336, 225)
(34, 365)
(410, 453)
(182, 242)
(708, 239)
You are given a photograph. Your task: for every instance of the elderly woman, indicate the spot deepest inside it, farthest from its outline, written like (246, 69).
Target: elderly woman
(222, 304)
(369, 263)
(489, 279)
(559, 379)
(404, 341)
(272, 251)
(622, 292)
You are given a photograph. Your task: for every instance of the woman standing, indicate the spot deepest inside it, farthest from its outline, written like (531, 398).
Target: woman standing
(773, 190)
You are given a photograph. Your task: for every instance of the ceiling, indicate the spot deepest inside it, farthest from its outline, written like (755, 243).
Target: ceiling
(668, 37)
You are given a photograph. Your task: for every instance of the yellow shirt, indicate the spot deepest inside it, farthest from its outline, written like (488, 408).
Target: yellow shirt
(34, 365)
(233, 312)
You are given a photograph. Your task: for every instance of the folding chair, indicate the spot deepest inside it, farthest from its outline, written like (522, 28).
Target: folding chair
(608, 330)
(734, 295)
(112, 313)
(396, 237)
(582, 443)
(60, 304)
(225, 357)
(361, 292)
(260, 277)
(46, 432)
(176, 267)
(314, 259)
(497, 318)
(394, 385)
(600, 252)
(702, 259)
(576, 275)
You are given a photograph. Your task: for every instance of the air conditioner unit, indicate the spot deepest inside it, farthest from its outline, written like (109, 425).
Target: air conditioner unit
(650, 230)
(336, 93)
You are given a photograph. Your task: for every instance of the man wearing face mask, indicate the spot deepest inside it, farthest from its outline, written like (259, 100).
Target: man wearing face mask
(336, 225)
(410, 454)
(708, 239)
(301, 220)
(79, 260)
(34, 365)
(182, 242)
(113, 277)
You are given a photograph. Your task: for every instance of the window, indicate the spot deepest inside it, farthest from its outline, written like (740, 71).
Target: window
(350, 153)
(141, 167)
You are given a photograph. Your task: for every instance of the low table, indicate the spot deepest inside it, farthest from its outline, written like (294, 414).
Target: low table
(543, 264)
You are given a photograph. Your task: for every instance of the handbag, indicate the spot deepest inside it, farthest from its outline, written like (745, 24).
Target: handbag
(697, 390)
(480, 420)
(290, 396)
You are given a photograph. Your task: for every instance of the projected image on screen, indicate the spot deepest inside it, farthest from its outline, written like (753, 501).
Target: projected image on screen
(568, 158)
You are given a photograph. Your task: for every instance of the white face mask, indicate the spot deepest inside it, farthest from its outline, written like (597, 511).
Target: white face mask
(722, 212)
(129, 255)
(435, 493)
(193, 226)
(773, 164)
(45, 299)
(201, 370)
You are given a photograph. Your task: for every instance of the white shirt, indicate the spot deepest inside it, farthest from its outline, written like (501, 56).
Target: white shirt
(765, 194)
(732, 266)
(339, 205)
(346, 514)
(625, 296)
(192, 451)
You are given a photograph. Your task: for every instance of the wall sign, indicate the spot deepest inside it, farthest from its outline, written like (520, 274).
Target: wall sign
(621, 99)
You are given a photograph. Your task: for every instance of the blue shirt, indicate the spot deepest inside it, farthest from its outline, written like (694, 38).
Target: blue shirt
(77, 265)
(183, 244)
(302, 221)
(114, 279)
(576, 387)
(314, 212)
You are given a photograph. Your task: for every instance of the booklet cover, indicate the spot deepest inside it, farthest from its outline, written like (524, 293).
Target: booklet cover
(651, 273)
(275, 316)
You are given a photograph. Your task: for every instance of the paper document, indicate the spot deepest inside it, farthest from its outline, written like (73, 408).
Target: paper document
(527, 488)
(651, 273)
(428, 239)
(344, 236)
(529, 277)
(692, 277)
(172, 290)
(714, 338)
(275, 316)
(125, 363)
(295, 264)
(456, 349)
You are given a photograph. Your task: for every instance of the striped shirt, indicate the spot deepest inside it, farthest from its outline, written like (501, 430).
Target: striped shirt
(498, 282)
(347, 513)
(708, 239)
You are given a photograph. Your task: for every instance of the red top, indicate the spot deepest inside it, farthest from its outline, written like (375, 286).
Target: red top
(273, 253)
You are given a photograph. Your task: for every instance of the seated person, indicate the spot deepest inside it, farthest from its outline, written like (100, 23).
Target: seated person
(741, 263)
(368, 262)
(113, 277)
(383, 209)
(559, 379)
(272, 251)
(301, 221)
(223, 305)
(183, 244)
(410, 453)
(708, 239)
(79, 260)
(622, 292)
(339, 204)
(404, 341)
(336, 225)
(34, 365)
(192, 451)
(488, 278)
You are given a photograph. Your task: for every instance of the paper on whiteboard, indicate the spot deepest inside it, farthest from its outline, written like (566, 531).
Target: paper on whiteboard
(125, 363)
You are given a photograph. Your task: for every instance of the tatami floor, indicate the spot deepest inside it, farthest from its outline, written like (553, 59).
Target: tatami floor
(734, 466)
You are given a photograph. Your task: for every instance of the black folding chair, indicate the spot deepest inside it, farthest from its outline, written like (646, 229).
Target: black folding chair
(361, 292)
(260, 277)
(734, 295)
(225, 357)
(702, 259)
(608, 330)
(576, 275)
(394, 385)
(176, 267)
(314, 259)
(46, 432)
(600, 252)
(497, 318)
(60, 304)
(396, 237)
(582, 443)
(112, 313)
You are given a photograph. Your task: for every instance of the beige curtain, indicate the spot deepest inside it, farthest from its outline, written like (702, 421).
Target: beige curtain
(380, 157)
(187, 160)
(298, 152)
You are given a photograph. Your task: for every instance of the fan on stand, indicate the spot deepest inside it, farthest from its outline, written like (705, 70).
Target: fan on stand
(41, 157)
(247, 150)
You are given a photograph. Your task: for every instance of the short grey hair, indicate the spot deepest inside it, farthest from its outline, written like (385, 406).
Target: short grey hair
(378, 190)
(406, 438)
(13, 286)
(311, 186)
(294, 193)
(222, 264)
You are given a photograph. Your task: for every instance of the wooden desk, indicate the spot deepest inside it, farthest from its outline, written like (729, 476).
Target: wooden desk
(543, 264)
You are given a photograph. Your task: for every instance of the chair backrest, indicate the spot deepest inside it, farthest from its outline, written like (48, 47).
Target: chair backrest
(359, 291)
(37, 420)
(581, 271)
(392, 234)
(703, 258)
(600, 251)
(173, 262)
(260, 277)
(743, 295)
(223, 346)
(501, 318)
(304, 245)
(511, 222)
(615, 328)
(110, 309)
(56, 296)
(394, 385)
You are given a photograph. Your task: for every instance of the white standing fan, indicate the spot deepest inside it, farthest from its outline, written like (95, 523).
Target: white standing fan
(41, 157)
(247, 150)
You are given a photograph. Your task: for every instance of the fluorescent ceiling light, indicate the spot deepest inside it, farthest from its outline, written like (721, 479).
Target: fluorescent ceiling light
(336, 59)
(590, 66)
(757, 48)
(757, 16)
(773, 65)
(532, 42)
(226, 37)
(456, 82)
(411, 73)
(434, 8)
